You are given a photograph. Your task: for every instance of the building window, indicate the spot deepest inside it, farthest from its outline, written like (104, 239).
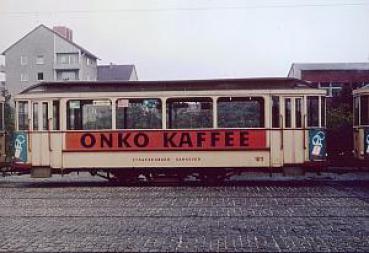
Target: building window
(67, 75)
(24, 77)
(40, 60)
(235, 112)
(89, 114)
(139, 113)
(90, 61)
(67, 58)
(24, 60)
(40, 76)
(189, 113)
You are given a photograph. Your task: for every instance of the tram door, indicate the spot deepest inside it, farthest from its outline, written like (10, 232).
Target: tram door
(293, 130)
(40, 135)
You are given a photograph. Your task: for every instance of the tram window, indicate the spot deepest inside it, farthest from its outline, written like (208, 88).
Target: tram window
(89, 114)
(139, 113)
(364, 110)
(22, 115)
(45, 118)
(313, 111)
(56, 115)
(275, 111)
(35, 116)
(1, 116)
(298, 112)
(322, 108)
(287, 112)
(189, 113)
(242, 112)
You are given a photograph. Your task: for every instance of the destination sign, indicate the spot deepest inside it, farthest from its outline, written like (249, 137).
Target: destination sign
(166, 140)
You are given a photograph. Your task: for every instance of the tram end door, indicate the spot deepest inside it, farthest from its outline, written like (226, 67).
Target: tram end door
(40, 139)
(293, 133)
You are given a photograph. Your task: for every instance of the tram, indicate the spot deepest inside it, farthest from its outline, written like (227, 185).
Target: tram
(361, 124)
(2, 132)
(202, 128)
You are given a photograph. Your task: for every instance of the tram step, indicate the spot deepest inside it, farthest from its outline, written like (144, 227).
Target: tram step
(40, 172)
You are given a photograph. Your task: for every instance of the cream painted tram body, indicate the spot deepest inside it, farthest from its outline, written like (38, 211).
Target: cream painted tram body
(180, 127)
(361, 124)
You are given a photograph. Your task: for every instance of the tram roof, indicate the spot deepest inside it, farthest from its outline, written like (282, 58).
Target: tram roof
(177, 85)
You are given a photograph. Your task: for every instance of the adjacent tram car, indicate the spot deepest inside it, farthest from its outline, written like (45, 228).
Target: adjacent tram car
(2, 132)
(361, 125)
(207, 128)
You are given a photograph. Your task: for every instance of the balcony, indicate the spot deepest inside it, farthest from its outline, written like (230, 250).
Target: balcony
(62, 66)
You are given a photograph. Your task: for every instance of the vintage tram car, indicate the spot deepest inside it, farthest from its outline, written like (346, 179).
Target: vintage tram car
(205, 128)
(361, 125)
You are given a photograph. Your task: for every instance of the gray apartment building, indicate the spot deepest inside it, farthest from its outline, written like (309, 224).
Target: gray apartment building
(45, 54)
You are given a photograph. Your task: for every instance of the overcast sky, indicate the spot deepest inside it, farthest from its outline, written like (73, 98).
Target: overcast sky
(199, 39)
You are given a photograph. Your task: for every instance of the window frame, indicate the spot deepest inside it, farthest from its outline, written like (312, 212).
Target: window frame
(56, 126)
(318, 125)
(115, 114)
(362, 112)
(35, 118)
(24, 77)
(24, 60)
(168, 124)
(67, 113)
(38, 76)
(45, 116)
(27, 115)
(40, 60)
(254, 98)
(275, 122)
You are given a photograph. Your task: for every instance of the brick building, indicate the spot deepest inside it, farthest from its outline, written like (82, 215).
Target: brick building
(332, 76)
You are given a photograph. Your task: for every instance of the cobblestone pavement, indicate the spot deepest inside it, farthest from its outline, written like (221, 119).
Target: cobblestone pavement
(60, 214)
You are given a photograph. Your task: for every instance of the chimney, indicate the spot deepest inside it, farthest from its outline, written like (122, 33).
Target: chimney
(64, 32)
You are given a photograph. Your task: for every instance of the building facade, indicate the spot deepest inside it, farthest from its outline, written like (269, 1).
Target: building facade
(47, 55)
(332, 76)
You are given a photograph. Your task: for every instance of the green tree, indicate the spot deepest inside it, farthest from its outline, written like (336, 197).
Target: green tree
(9, 114)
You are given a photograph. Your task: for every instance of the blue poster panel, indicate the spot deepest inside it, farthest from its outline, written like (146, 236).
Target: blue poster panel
(317, 145)
(20, 146)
